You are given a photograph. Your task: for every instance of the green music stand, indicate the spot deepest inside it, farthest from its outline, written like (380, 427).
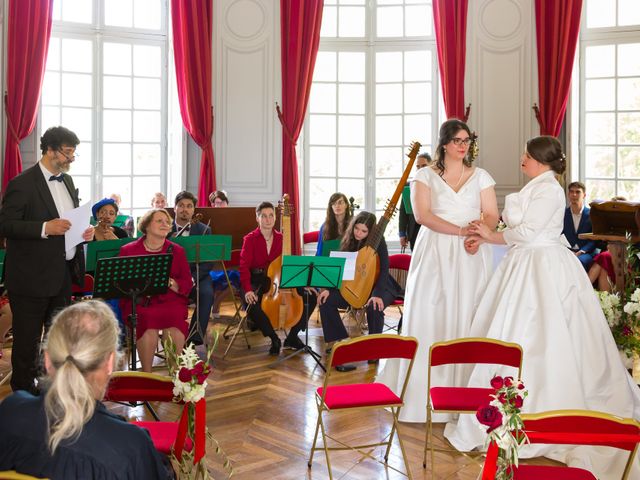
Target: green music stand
(313, 272)
(104, 249)
(329, 246)
(204, 249)
(133, 277)
(406, 200)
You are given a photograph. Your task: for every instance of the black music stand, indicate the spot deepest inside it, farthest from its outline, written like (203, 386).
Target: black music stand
(313, 272)
(132, 277)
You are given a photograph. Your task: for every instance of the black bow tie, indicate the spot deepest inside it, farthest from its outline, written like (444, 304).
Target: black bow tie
(57, 178)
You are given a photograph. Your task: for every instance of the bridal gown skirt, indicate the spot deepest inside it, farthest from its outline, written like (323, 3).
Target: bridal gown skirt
(444, 286)
(541, 298)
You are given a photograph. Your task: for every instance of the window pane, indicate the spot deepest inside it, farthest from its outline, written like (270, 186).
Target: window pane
(384, 191)
(84, 162)
(322, 129)
(388, 66)
(351, 130)
(629, 189)
(389, 130)
(50, 117)
(78, 11)
(629, 164)
(323, 98)
(352, 188)
(146, 126)
(53, 54)
(417, 128)
(351, 98)
(387, 161)
(118, 13)
(147, 93)
(418, 21)
(119, 185)
(599, 128)
(629, 128)
(117, 126)
(83, 184)
(417, 97)
(78, 120)
(117, 59)
(322, 161)
(329, 22)
(389, 22)
(325, 69)
(600, 161)
(600, 61)
(351, 67)
(51, 89)
(147, 14)
(117, 92)
(319, 192)
(116, 158)
(417, 66)
(601, 189)
(600, 14)
(351, 162)
(146, 159)
(77, 55)
(389, 98)
(143, 190)
(316, 218)
(76, 90)
(351, 22)
(629, 59)
(628, 12)
(599, 95)
(147, 61)
(629, 94)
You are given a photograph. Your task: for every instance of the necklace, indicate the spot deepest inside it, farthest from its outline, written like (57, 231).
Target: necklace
(459, 180)
(146, 245)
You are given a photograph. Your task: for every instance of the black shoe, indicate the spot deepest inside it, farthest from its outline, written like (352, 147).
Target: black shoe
(346, 368)
(275, 346)
(293, 343)
(373, 362)
(328, 350)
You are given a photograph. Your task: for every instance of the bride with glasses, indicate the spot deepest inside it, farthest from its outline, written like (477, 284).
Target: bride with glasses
(445, 282)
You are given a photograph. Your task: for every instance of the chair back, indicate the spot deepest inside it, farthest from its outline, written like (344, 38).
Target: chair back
(399, 267)
(139, 387)
(310, 237)
(85, 289)
(475, 350)
(370, 347)
(234, 262)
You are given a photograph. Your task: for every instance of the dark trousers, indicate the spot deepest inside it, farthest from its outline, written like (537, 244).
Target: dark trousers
(200, 317)
(332, 325)
(30, 316)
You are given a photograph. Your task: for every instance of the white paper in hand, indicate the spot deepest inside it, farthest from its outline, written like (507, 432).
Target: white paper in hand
(349, 264)
(79, 218)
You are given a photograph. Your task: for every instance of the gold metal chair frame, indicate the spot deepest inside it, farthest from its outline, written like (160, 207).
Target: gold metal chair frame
(429, 427)
(395, 411)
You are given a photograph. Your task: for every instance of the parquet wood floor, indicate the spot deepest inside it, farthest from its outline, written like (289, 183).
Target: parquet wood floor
(264, 418)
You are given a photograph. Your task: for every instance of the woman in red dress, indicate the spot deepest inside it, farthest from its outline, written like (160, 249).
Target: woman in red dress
(168, 311)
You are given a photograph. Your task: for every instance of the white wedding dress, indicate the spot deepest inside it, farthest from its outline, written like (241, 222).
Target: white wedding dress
(444, 286)
(540, 297)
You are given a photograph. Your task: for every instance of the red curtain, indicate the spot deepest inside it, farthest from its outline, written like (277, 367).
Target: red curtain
(27, 46)
(192, 30)
(557, 28)
(450, 20)
(300, 22)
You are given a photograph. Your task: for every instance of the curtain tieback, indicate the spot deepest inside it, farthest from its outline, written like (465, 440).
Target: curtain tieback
(466, 113)
(284, 126)
(536, 109)
(12, 129)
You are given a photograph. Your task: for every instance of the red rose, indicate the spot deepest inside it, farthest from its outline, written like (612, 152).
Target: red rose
(184, 375)
(502, 398)
(517, 401)
(497, 382)
(198, 368)
(508, 381)
(489, 416)
(521, 386)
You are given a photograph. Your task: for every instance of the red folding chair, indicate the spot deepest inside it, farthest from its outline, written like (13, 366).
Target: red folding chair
(349, 397)
(134, 388)
(80, 291)
(571, 427)
(398, 269)
(454, 399)
(310, 237)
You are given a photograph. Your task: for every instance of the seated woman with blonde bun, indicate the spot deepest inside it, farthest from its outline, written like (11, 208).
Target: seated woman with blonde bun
(67, 432)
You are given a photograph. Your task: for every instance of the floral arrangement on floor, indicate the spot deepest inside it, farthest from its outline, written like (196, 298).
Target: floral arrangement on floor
(504, 425)
(189, 373)
(622, 309)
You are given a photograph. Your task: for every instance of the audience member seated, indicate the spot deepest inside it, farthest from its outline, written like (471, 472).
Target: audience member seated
(127, 225)
(185, 205)
(67, 432)
(105, 213)
(167, 311)
(219, 199)
(577, 221)
(158, 200)
(259, 248)
(336, 221)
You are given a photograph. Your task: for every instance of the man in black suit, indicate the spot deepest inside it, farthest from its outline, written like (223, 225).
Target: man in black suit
(407, 226)
(184, 208)
(38, 269)
(577, 221)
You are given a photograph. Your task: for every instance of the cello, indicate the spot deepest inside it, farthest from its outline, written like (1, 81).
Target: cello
(283, 307)
(357, 291)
